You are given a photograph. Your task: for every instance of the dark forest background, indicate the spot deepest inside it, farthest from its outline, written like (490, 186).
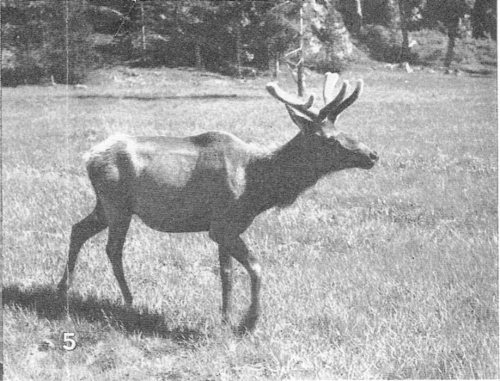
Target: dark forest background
(40, 39)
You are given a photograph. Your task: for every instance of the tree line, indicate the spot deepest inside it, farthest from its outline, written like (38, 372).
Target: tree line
(64, 39)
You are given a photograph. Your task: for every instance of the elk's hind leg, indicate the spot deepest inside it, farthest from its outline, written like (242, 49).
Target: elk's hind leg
(94, 223)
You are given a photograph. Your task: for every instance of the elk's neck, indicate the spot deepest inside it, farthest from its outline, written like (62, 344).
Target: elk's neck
(280, 177)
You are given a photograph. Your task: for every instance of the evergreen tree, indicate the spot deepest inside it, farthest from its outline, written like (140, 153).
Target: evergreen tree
(49, 38)
(407, 11)
(381, 12)
(448, 12)
(67, 52)
(484, 19)
(279, 30)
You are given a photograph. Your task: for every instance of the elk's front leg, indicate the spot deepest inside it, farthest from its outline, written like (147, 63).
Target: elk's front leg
(241, 254)
(236, 248)
(226, 274)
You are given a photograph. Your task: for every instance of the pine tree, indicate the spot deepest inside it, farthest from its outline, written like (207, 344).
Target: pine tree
(449, 12)
(67, 52)
(49, 38)
(484, 19)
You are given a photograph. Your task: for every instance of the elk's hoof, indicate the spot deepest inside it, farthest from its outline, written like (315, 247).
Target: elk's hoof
(247, 325)
(62, 291)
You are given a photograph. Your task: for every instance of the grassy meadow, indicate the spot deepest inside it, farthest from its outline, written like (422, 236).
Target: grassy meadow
(388, 273)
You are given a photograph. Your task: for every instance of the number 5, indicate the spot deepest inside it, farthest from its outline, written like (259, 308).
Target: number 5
(69, 342)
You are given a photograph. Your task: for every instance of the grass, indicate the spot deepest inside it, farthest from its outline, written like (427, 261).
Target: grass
(387, 273)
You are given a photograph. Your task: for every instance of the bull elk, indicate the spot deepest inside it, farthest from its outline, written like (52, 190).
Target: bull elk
(213, 182)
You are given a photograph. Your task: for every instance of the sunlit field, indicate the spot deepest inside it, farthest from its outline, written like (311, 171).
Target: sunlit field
(386, 273)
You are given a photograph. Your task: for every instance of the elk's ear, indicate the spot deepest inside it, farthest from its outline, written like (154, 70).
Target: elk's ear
(302, 121)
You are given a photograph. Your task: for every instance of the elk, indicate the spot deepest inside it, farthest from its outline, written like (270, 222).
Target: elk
(215, 183)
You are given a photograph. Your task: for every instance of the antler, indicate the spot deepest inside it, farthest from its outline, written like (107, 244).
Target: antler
(330, 107)
(291, 100)
(330, 81)
(332, 116)
(333, 105)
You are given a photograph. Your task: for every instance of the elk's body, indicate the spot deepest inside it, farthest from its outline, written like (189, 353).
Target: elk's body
(172, 184)
(211, 182)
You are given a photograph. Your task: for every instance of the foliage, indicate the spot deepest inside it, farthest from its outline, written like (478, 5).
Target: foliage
(349, 11)
(215, 35)
(47, 40)
(280, 30)
(67, 53)
(380, 12)
(21, 36)
(213, 28)
(413, 12)
(484, 19)
(383, 44)
(446, 11)
(476, 55)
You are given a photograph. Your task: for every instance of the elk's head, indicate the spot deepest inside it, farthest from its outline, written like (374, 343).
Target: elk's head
(331, 149)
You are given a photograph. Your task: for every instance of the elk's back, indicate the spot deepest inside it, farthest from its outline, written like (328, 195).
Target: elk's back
(172, 184)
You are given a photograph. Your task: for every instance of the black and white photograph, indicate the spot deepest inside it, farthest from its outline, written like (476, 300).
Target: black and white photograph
(249, 190)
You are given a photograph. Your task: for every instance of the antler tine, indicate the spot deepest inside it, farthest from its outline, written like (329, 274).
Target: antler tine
(347, 102)
(291, 100)
(330, 107)
(330, 81)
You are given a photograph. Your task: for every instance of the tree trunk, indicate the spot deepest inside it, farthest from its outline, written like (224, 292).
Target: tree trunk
(197, 55)
(276, 65)
(393, 12)
(300, 66)
(273, 60)
(405, 46)
(239, 48)
(452, 35)
(143, 28)
(358, 18)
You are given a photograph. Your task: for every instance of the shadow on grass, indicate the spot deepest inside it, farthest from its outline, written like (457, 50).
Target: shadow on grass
(479, 72)
(164, 97)
(47, 304)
